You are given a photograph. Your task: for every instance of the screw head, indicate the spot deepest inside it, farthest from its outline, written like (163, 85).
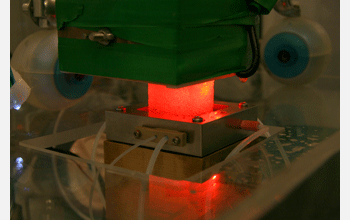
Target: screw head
(137, 134)
(26, 7)
(121, 109)
(197, 119)
(243, 105)
(176, 141)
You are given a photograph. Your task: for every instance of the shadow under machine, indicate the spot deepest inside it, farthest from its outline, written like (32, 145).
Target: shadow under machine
(179, 48)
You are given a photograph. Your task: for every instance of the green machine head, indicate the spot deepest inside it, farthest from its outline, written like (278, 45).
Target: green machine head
(171, 42)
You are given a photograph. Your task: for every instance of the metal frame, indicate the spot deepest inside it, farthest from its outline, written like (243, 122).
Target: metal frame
(203, 138)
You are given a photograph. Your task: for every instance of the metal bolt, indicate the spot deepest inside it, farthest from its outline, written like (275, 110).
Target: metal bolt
(104, 37)
(121, 109)
(137, 134)
(243, 105)
(197, 119)
(25, 7)
(176, 141)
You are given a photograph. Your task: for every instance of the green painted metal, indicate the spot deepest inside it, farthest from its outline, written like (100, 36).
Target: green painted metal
(180, 41)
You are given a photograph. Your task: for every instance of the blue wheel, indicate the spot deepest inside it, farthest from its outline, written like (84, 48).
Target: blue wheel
(286, 55)
(71, 86)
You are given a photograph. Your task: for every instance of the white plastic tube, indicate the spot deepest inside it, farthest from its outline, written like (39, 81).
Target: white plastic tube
(92, 194)
(98, 136)
(59, 184)
(154, 156)
(248, 140)
(58, 181)
(149, 170)
(282, 151)
(60, 114)
(132, 148)
(279, 146)
(267, 134)
(93, 155)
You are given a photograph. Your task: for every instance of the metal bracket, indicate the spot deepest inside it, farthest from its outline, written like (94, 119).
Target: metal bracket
(42, 12)
(175, 138)
(103, 36)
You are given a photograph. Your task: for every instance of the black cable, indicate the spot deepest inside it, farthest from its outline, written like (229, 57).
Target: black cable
(255, 53)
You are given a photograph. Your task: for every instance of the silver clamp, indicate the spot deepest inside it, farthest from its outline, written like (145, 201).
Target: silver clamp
(42, 12)
(103, 37)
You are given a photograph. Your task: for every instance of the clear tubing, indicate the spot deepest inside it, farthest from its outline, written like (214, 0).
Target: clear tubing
(282, 151)
(279, 146)
(58, 121)
(149, 170)
(113, 163)
(92, 194)
(93, 155)
(59, 184)
(143, 188)
(248, 140)
(132, 148)
(82, 215)
(98, 136)
(263, 149)
(267, 134)
(154, 156)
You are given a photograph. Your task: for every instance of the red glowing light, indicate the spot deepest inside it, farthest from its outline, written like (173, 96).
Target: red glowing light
(180, 199)
(243, 80)
(284, 4)
(191, 100)
(214, 177)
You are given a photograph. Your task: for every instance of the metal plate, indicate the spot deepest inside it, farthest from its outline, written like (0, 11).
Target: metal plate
(203, 138)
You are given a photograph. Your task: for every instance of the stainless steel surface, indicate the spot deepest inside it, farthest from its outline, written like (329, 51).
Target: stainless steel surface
(203, 138)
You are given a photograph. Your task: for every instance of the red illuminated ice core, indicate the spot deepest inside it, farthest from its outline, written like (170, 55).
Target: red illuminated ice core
(186, 101)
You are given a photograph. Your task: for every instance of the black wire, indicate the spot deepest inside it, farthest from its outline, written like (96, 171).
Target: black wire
(255, 52)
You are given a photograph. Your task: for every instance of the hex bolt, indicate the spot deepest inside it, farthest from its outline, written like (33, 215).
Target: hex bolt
(176, 141)
(197, 119)
(137, 134)
(121, 109)
(243, 105)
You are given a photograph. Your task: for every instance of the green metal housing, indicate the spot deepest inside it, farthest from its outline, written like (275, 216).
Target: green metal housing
(178, 41)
